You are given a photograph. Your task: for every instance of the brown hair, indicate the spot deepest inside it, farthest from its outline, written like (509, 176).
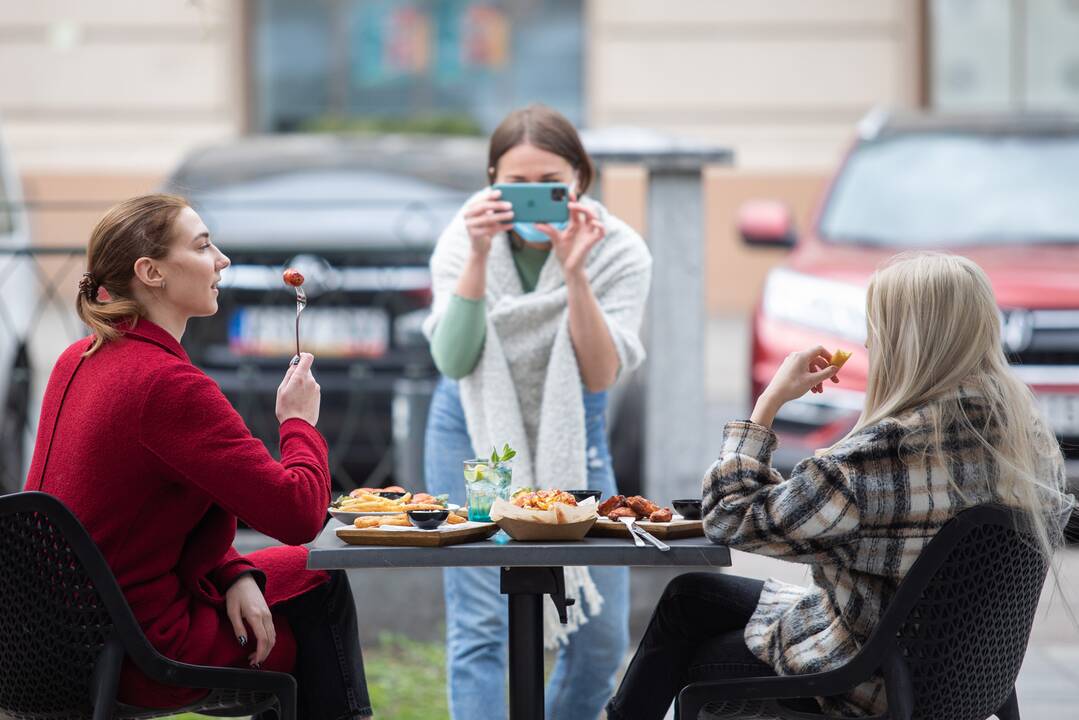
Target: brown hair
(135, 228)
(547, 129)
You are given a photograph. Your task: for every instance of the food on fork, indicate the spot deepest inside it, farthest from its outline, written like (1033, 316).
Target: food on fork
(293, 277)
(621, 512)
(839, 357)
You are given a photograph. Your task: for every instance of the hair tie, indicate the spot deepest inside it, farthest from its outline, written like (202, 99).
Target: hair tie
(88, 286)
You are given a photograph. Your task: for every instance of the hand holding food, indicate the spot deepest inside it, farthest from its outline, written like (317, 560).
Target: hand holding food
(799, 373)
(299, 396)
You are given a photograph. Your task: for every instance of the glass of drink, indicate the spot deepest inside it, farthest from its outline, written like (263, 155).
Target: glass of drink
(485, 483)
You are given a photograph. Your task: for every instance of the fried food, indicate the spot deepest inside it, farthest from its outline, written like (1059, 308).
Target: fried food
(611, 503)
(621, 513)
(662, 515)
(839, 357)
(642, 506)
(636, 507)
(421, 506)
(544, 499)
(374, 521)
(454, 519)
(293, 277)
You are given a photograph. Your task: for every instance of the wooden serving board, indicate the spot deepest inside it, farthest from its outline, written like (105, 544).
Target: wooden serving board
(416, 538)
(673, 530)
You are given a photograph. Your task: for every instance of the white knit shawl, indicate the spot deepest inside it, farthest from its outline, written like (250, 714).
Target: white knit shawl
(526, 388)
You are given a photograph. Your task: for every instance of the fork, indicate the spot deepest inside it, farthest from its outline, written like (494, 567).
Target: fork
(660, 545)
(628, 522)
(301, 303)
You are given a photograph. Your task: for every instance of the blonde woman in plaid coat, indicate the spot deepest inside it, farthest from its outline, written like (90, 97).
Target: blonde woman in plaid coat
(946, 426)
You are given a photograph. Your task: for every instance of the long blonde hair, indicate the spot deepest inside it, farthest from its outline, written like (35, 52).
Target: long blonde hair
(138, 227)
(934, 338)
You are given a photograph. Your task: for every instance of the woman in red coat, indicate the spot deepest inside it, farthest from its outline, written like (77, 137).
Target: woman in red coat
(149, 454)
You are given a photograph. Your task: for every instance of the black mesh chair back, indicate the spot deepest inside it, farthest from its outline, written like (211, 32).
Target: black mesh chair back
(65, 629)
(949, 645)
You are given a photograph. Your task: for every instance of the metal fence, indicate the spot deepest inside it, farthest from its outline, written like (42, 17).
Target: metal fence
(37, 320)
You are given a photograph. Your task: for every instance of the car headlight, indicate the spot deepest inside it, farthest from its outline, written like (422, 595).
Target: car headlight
(834, 307)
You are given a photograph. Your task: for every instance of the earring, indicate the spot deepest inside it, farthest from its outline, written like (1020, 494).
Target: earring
(162, 284)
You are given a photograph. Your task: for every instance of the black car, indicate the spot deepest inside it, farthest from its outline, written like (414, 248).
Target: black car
(358, 217)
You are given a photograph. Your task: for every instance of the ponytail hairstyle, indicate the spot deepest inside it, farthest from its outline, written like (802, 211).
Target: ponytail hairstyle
(135, 228)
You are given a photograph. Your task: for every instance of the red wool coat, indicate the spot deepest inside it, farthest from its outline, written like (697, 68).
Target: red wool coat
(149, 454)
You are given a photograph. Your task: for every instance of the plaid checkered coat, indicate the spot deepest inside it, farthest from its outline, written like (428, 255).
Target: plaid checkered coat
(858, 515)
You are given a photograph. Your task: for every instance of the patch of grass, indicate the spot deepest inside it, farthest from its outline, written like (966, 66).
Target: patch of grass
(406, 679)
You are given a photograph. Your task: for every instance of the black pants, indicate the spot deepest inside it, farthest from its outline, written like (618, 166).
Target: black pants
(696, 633)
(329, 664)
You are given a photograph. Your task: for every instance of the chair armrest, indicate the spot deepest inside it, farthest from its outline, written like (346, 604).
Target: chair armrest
(834, 682)
(180, 674)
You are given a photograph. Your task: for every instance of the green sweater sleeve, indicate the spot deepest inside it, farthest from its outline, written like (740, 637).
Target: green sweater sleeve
(458, 338)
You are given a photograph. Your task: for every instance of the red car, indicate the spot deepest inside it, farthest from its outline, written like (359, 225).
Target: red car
(1001, 190)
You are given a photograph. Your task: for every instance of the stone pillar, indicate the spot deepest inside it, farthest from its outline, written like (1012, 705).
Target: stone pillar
(676, 451)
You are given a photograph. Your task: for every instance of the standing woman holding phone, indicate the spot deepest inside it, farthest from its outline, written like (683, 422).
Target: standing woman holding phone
(531, 324)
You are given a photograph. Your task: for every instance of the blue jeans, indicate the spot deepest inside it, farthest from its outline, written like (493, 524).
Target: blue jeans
(476, 612)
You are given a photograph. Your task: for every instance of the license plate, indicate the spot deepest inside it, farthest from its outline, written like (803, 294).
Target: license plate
(1062, 411)
(326, 332)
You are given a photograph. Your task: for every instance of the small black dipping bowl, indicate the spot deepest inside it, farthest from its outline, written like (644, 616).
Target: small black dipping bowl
(689, 509)
(427, 519)
(390, 495)
(582, 495)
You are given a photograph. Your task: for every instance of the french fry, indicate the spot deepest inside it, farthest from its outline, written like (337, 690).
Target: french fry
(374, 521)
(839, 357)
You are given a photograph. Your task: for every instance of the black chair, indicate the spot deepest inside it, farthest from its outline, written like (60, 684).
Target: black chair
(65, 629)
(949, 644)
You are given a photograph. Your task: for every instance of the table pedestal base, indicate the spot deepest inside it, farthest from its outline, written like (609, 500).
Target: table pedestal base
(526, 587)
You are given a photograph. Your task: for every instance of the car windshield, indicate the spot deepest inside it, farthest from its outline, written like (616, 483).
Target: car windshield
(948, 190)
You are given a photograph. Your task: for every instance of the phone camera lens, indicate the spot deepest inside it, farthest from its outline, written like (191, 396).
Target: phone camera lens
(558, 194)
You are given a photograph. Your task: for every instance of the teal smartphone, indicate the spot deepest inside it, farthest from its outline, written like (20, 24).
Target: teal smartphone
(537, 202)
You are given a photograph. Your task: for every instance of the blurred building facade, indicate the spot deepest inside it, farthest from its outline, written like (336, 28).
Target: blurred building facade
(99, 100)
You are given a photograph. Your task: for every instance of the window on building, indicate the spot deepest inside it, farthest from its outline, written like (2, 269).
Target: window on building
(1004, 54)
(439, 65)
